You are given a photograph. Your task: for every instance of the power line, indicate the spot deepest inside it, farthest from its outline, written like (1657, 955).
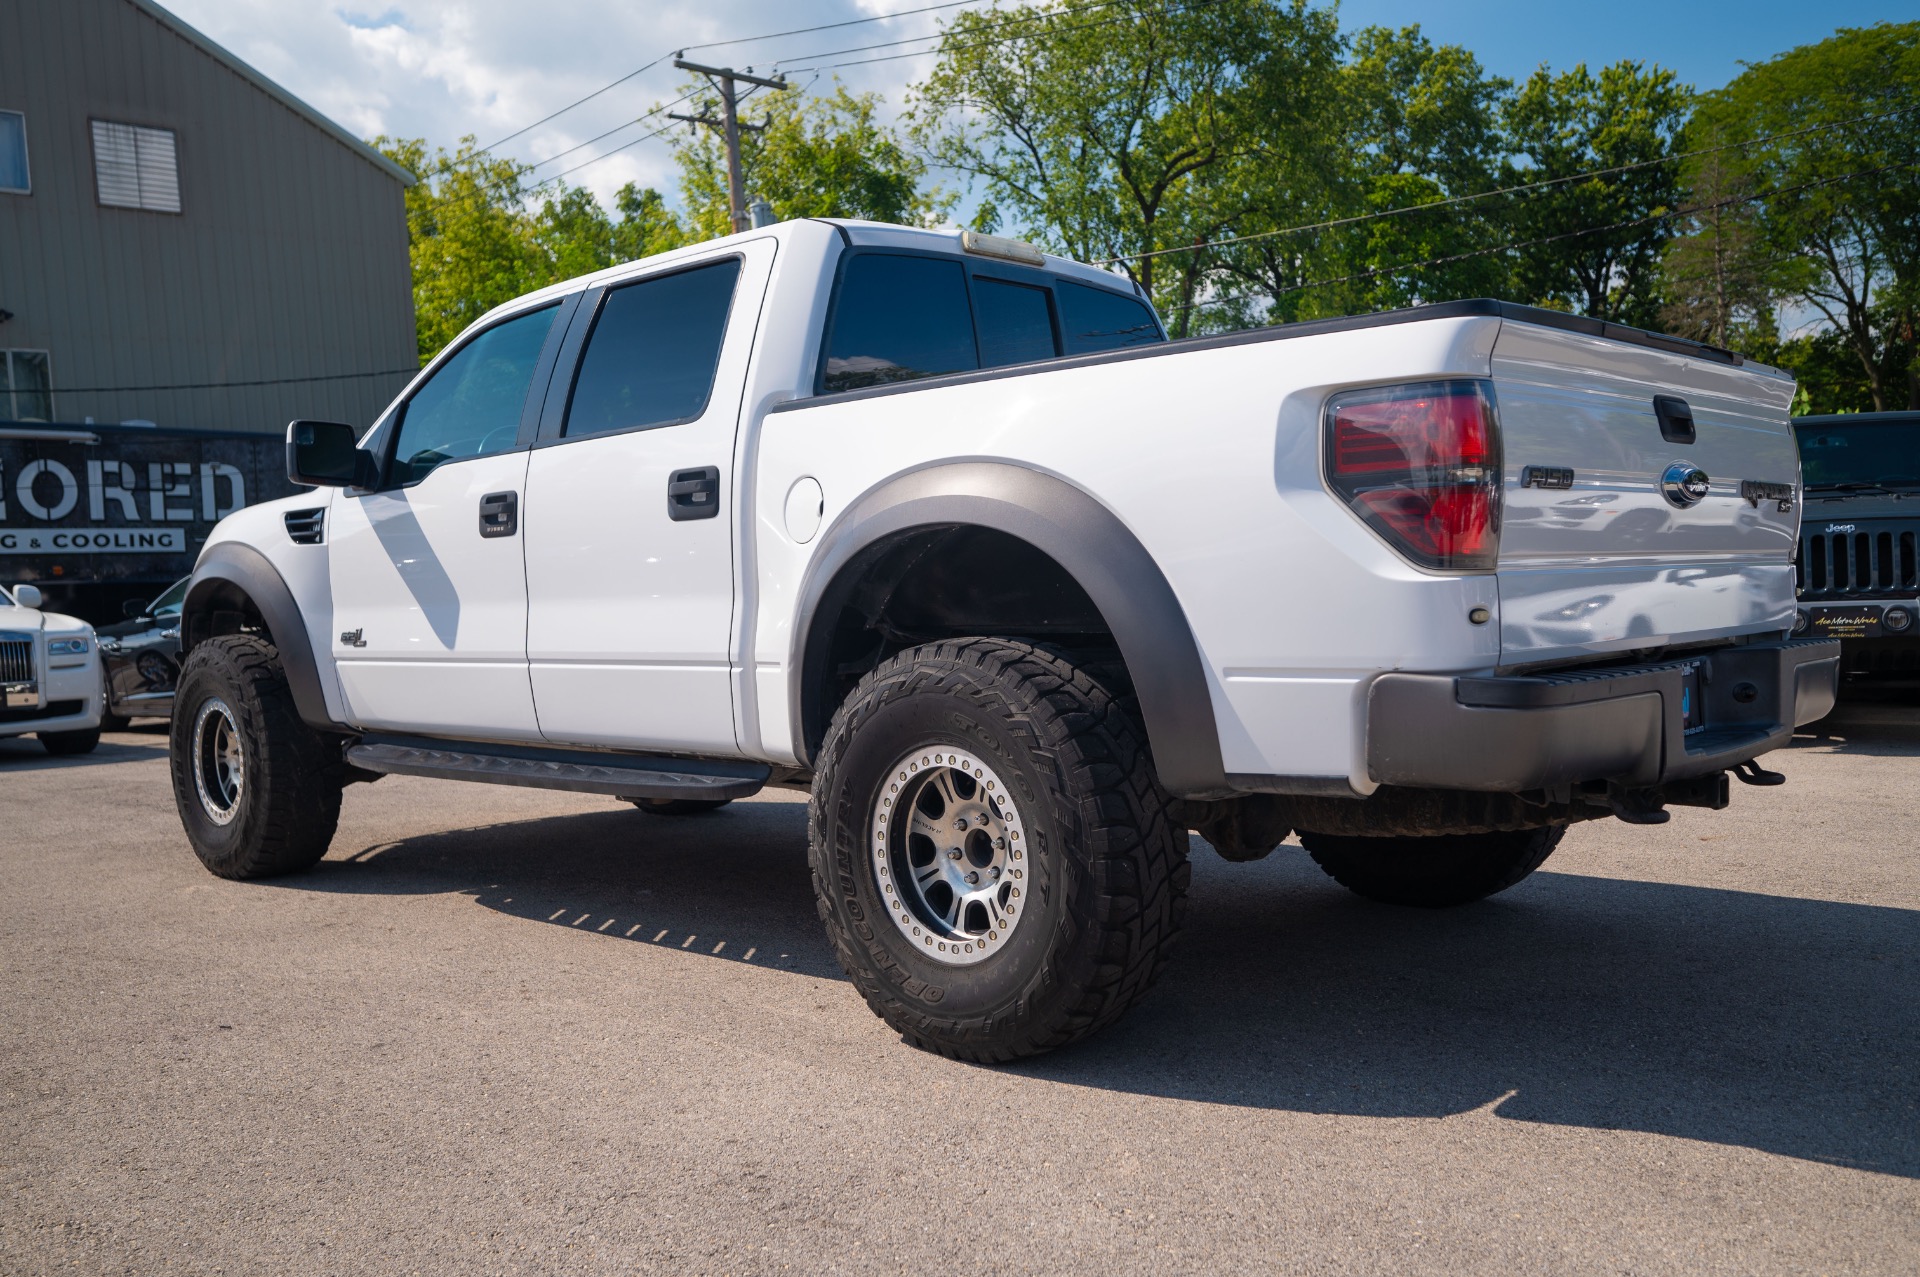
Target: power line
(615, 129)
(1449, 259)
(1009, 19)
(1505, 190)
(971, 44)
(721, 44)
(578, 102)
(645, 137)
(1025, 16)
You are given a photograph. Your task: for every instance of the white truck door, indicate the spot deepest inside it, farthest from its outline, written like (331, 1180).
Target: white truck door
(428, 574)
(630, 520)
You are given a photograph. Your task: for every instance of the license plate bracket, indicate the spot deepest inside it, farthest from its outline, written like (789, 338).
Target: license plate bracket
(1693, 709)
(23, 698)
(1844, 622)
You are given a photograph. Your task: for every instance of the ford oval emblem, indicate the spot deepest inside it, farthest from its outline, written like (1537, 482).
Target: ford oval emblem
(1684, 485)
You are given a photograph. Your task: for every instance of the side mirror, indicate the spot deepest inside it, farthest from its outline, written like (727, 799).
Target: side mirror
(133, 609)
(28, 596)
(323, 454)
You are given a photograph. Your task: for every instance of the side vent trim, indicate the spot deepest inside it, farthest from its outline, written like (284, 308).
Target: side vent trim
(307, 527)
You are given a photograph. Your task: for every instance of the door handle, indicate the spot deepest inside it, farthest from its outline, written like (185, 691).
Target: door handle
(693, 494)
(499, 514)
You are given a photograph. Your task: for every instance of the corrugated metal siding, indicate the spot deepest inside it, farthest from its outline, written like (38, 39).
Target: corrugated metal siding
(287, 260)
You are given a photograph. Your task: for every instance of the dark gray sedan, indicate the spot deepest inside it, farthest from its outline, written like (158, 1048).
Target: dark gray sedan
(140, 658)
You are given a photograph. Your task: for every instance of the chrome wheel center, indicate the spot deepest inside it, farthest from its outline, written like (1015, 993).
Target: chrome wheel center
(219, 764)
(949, 855)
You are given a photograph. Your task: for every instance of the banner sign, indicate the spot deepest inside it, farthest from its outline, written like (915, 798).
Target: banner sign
(95, 541)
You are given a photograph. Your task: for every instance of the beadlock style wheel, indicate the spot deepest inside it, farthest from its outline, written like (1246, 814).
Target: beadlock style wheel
(219, 762)
(949, 855)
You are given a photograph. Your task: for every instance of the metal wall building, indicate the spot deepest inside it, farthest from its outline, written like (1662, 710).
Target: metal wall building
(182, 241)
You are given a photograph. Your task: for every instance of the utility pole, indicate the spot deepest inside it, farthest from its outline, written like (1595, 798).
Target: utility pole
(729, 125)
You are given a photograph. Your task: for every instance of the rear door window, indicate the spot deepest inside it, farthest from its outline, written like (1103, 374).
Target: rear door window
(1016, 322)
(654, 352)
(1094, 319)
(898, 318)
(471, 405)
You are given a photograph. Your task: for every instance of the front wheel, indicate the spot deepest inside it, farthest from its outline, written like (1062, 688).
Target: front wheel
(991, 854)
(1433, 872)
(255, 786)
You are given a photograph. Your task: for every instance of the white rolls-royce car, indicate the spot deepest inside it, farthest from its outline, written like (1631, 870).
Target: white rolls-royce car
(50, 683)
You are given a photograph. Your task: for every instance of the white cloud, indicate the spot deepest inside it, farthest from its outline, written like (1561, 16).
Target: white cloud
(446, 69)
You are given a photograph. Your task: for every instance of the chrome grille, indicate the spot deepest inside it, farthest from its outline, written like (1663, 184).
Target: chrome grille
(1879, 558)
(16, 658)
(306, 527)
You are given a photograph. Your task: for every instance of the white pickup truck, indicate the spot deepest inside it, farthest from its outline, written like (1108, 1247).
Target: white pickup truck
(947, 532)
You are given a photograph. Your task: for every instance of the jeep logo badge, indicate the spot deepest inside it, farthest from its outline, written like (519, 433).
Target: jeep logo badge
(1840, 527)
(1683, 485)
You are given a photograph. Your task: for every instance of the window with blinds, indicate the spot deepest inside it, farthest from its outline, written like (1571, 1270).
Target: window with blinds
(13, 154)
(26, 388)
(136, 167)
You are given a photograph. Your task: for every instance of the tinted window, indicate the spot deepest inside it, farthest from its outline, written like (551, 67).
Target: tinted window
(471, 406)
(654, 352)
(1871, 452)
(897, 319)
(1016, 322)
(1094, 319)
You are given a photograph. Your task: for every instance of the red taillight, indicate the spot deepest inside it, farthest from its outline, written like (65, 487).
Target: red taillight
(1421, 464)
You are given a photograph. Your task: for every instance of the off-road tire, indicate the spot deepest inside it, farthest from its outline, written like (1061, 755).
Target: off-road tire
(1106, 870)
(289, 806)
(679, 806)
(61, 744)
(1434, 872)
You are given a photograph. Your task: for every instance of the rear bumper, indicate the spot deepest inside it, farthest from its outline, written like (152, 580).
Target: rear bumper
(1623, 724)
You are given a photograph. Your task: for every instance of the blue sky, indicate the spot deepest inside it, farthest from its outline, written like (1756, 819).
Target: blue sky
(439, 69)
(1704, 43)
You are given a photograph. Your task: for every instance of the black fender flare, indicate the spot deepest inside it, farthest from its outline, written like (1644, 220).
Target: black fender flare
(1078, 533)
(230, 568)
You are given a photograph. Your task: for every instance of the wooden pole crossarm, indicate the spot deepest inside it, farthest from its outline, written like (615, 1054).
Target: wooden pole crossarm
(730, 74)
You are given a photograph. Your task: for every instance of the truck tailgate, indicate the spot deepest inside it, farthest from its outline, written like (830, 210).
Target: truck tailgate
(1602, 560)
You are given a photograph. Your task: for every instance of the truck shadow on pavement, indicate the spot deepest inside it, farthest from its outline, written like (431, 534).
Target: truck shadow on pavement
(1784, 1025)
(1878, 728)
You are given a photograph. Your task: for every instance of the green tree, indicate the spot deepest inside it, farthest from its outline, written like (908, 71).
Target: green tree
(475, 240)
(1135, 128)
(466, 235)
(823, 156)
(1596, 242)
(1716, 278)
(1834, 167)
(1423, 128)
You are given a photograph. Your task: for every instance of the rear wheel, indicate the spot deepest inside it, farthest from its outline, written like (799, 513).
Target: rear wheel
(1433, 872)
(62, 743)
(991, 854)
(679, 806)
(257, 789)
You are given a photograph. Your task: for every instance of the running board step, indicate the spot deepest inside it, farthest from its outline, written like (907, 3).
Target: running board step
(582, 771)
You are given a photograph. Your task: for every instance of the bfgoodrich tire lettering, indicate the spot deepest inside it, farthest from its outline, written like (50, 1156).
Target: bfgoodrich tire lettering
(257, 789)
(1433, 872)
(1104, 872)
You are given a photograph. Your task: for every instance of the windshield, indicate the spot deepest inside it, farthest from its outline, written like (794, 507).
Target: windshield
(168, 604)
(1868, 453)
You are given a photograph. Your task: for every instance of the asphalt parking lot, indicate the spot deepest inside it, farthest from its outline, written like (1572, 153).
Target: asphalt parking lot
(507, 1031)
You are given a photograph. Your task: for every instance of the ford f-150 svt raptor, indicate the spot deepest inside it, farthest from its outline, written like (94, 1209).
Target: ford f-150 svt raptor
(946, 531)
